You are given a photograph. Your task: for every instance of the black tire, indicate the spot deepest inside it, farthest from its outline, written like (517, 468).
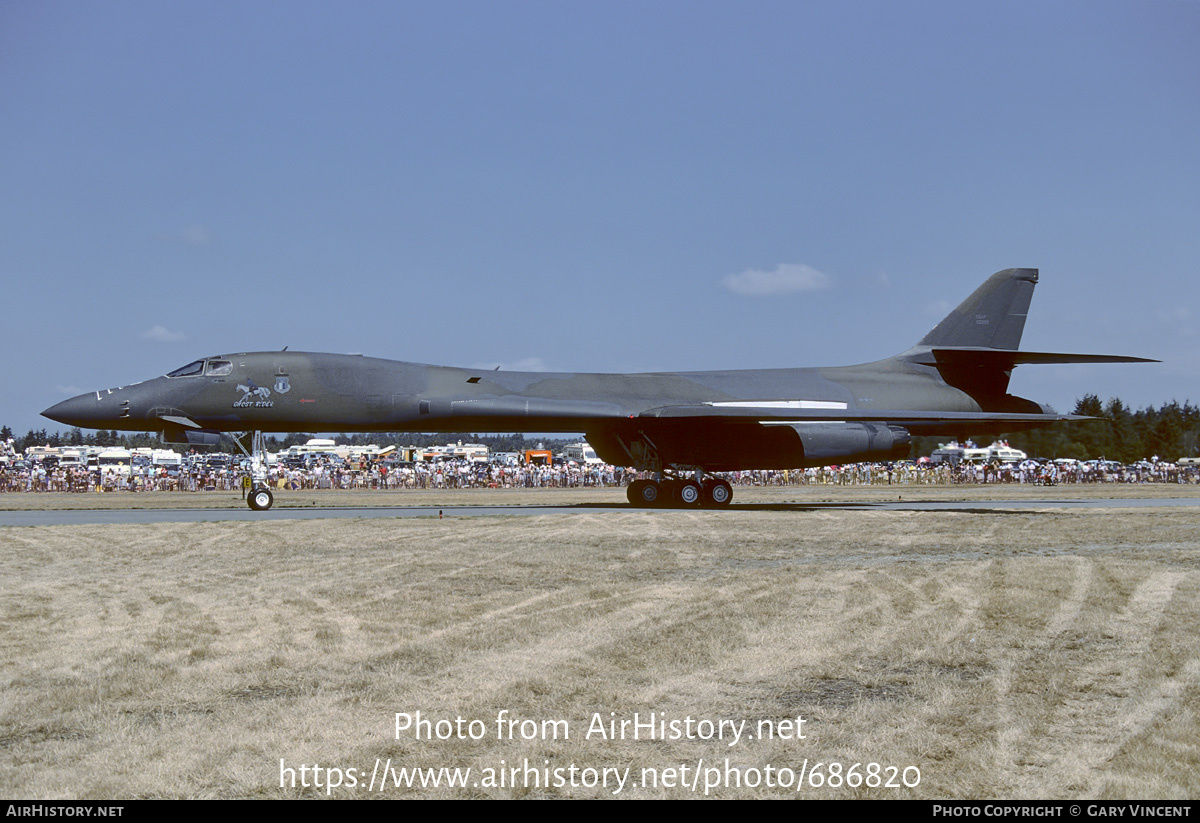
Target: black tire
(717, 493)
(688, 493)
(633, 493)
(260, 499)
(643, 493)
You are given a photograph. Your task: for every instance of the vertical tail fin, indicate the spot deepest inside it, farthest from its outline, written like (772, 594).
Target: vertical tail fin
(992, 317)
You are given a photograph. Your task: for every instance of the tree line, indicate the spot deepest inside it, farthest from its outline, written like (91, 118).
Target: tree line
(1118, 433)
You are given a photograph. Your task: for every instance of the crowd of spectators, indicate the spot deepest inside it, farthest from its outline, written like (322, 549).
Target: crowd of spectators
(460, 474)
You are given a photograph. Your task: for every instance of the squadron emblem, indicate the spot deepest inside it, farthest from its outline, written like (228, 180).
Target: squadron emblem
(253, 396)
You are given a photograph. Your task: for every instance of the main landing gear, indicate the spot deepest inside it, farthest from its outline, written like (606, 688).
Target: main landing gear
(680, 492)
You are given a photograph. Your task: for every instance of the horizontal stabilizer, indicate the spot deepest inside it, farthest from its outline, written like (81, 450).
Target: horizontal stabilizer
(1006, 358)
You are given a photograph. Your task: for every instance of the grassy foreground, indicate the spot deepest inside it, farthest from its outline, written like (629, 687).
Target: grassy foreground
(1003, 654)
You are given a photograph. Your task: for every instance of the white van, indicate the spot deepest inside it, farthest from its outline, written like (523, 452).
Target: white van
(114, 461)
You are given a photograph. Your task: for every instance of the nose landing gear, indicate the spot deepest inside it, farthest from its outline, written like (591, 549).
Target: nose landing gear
(260, 498)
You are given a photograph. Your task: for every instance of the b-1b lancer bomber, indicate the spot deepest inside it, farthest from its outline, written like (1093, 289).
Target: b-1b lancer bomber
(682, 427)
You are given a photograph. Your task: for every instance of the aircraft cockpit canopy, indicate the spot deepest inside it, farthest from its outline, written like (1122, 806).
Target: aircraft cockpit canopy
(212, 368)
(190, 370)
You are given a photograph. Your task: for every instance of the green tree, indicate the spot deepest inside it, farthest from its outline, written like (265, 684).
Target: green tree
(1165, 437)
(1094, 437)
(1127, 446)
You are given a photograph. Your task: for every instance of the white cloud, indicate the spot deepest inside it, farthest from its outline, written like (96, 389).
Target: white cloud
(162, 334)
(786, 278)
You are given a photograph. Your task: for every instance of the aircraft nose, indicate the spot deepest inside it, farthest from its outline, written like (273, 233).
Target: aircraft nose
(83, 411)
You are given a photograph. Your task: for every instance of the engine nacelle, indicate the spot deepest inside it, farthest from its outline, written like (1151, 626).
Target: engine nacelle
(724, 446)
(828, 443)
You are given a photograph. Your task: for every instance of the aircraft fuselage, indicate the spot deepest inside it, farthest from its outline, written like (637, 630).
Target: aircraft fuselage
(301, 392)
(953, 381)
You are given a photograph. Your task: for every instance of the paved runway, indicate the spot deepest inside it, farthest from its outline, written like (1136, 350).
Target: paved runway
(78, 517)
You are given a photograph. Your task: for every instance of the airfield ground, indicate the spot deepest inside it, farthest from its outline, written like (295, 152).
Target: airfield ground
(742, 496)
(1031, 653)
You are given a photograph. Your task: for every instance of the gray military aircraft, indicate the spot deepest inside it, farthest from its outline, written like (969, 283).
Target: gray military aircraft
(680, 426)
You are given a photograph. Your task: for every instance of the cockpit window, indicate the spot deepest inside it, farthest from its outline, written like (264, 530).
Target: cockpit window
(219, 368)
(189, 370)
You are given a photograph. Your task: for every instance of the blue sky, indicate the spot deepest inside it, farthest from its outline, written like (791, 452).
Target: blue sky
(602, 186)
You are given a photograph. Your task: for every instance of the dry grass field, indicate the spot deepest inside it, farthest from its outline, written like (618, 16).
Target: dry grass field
(1045, 653)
